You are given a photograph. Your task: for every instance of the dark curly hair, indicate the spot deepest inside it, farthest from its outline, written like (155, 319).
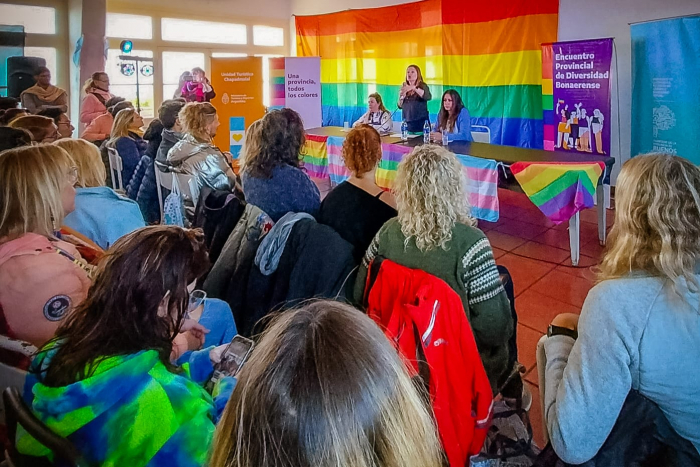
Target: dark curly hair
(362, 150)
(282, 138)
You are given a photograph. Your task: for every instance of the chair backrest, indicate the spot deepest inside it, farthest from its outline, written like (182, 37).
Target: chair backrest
(483, 135)
(163, 180)
(188, 186)
(115, 167)
(18, 413)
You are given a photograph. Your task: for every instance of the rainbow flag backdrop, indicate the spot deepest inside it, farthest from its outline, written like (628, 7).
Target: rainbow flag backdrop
(277, 95)
(560, 190)
(490, 52)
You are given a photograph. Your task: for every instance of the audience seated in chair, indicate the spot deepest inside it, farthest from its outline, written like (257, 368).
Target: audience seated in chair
(100, 214)
(196, 154)
(270, 171)
(11, 138)
(62, 121)
(434, 232)
(324, 388)
(153, 135)
(640, 326)
(41, 277)
(98, 131)
(126, 139)
(168, 113)
(7, 116)
(106, 381)
(358, 207)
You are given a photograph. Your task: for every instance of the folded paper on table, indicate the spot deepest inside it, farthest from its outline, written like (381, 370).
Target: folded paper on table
(560, 190)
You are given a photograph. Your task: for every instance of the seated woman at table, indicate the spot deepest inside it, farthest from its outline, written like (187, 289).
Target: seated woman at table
(453, 119)
(358, 207)
(639, 329)
(413, 99)
(377, 116)
(434, 232)
(272, 176)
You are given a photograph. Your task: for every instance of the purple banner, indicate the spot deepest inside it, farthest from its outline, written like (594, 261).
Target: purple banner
(581, 90)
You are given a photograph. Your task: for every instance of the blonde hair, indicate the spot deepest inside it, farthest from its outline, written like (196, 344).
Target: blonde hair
(431, 196)
(90, 82)
(31, 183)
(252, 144)
(38, 126)
(91, 169)
(195, 117)
(657, 221)
(325, 388)
(122, 122)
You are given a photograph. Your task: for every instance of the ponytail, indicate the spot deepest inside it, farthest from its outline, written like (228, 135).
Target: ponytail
(90, 82)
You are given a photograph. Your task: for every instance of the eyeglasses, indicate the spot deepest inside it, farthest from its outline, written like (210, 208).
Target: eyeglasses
(73, 175)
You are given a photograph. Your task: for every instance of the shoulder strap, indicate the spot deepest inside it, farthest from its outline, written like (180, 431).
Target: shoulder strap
(379, 195)
(100, 98)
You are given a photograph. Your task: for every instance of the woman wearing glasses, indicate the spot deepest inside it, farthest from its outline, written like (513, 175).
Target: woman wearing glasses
(41, 277)
(97, 94)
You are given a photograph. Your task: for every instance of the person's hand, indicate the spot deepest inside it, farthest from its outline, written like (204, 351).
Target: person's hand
(194, 328)
(216, 353)
(566, 320)
(436, 137)
(194, 341)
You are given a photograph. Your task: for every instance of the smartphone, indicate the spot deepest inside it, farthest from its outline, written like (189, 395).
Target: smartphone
(234, 356)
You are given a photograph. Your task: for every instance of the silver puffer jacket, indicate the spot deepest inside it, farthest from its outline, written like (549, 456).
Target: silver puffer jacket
(203, 160)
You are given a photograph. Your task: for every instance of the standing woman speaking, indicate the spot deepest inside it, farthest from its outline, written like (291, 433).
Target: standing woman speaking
(413, 99)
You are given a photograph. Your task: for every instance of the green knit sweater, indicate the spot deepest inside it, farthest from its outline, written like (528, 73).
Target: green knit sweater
(468, 266)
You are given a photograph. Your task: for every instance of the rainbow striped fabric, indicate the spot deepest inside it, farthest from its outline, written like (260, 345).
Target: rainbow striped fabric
(560, 190)
(482, 174)
(488, 51)
(548, 116)
(277, 95)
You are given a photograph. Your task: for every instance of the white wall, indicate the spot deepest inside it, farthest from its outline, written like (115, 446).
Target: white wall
(578, 19)
(586, 19)
(279, 9)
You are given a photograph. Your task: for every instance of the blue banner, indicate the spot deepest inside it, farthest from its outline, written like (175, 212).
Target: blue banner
(666, 87)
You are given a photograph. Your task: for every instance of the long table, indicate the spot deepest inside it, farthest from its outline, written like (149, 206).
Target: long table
(508, 155)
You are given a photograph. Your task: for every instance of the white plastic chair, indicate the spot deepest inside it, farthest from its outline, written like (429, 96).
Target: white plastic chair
(115, 165)
(163, 180)
(481, 136)
(188, 186)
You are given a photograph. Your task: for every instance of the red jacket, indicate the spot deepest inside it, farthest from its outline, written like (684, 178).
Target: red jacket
(459, 389)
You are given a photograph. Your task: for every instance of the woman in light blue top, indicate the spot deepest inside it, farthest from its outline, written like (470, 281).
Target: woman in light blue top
(640, 325)
(100, 213)
(453, 119)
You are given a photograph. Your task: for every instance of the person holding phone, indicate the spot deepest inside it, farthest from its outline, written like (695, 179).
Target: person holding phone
(413, 99)
(106, 381)
(453, 119)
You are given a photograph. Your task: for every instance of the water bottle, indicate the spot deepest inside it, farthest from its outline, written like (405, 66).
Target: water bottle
(426, 132)
(404, 131)
(445, 141)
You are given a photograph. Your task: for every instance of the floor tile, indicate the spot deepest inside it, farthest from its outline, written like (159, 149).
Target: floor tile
(554, 237)
(564, 287)
(541, 252)
(583, 261)
(524, 271)
(531, 376)
(593, 248)
(521, 229)
(536, 416)
(536, 310)
(584, 272)
(504, 241)
(527, 345)
(497, 252)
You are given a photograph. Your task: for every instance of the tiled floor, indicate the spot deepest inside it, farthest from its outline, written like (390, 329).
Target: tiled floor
(536, 252)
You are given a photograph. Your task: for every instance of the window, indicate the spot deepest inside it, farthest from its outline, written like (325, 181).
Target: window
(186, 30)
(174, 64)
(266, 77)
(227, 55)
(48, 54)
(266, 35)
(129, 26)
(125, 86)
(35, 19)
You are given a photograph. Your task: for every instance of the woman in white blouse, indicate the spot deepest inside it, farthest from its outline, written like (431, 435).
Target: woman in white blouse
(377, 116)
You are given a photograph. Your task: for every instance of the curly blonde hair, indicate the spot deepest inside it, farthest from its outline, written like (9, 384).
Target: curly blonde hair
(252, 143)
(195, 117)
(431, 196)
(657, 221)
(362, 150)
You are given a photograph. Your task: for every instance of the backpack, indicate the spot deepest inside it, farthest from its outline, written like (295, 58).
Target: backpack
(174, 207)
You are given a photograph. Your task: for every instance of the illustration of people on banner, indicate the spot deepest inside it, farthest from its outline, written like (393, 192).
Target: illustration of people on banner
(579, 130)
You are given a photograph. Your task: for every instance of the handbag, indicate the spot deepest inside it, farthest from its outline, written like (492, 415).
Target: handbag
(174, 206)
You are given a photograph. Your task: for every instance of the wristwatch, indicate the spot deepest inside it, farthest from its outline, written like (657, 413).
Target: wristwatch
(553, 330)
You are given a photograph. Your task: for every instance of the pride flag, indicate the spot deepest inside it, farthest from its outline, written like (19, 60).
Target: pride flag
(488, 51)
(315, 156)
(560, 190)
(277, 94)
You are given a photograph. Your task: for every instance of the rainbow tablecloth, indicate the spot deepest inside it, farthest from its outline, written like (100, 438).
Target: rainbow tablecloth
(560, 190)
(323, 159)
